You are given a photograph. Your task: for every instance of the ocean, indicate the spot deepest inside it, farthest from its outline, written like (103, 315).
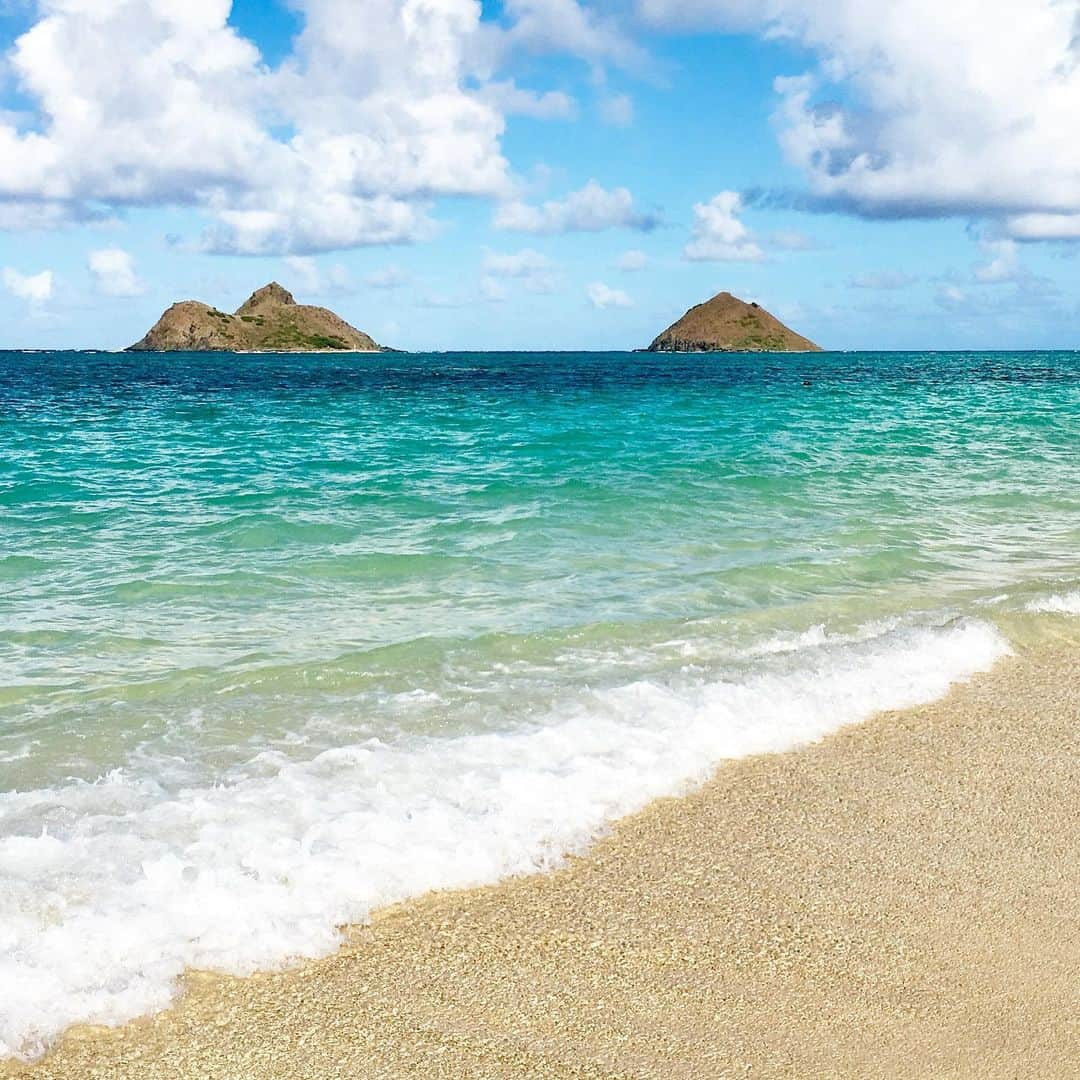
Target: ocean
(284, 639)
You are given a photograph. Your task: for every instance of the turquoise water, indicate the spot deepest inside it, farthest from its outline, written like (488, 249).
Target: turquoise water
(285, 638)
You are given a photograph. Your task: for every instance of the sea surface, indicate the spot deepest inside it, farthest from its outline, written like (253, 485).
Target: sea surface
(283, 639)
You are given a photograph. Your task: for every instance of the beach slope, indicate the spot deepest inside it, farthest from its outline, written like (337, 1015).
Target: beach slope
(901, 899)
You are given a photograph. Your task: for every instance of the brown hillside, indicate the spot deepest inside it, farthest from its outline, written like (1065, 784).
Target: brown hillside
(270, 320)
(727, 324)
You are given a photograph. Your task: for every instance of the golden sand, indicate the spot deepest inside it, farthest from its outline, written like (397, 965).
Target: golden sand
(902, 899)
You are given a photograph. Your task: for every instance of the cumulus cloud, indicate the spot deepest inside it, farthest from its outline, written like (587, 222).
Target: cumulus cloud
(569, 26)
(631, 262)
(591, 209)
(926, 109)
(34, 288)
(535, 271)
(297, 220)
(719, 235)
(379, 105)
(175, 122)
(602, 296)
(113, 271)
(882, 279)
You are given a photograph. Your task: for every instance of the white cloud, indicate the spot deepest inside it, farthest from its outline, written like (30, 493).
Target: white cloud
(176, 121)
(1001, 265)
(568, 26)
(1002, 262)
(535, 271)
(631, 262)
(921, 109)
(290, 219)
(590, 209)
(617, 110)
(511, 99)
(719, 235)
(34, 288)
(601, 296)
(381, 102)
(1039, 226)
(882, 279)
(113, 271)
(389, 277)
(314, 280)
(17, 216)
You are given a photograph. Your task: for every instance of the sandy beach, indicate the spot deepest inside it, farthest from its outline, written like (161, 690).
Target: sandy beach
(539, 539)
(901, 899)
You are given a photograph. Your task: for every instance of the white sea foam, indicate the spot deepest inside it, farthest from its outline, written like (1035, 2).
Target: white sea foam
(109, 890)
(1057, 604)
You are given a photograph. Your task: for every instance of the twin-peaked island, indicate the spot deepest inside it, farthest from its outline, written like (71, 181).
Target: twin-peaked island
(270, 320)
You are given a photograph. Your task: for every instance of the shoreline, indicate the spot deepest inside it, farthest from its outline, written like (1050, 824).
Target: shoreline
(901, 898)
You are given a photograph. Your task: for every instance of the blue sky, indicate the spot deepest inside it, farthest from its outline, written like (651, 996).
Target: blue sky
(541, 173)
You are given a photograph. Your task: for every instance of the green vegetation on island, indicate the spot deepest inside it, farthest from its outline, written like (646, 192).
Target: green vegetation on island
(270, 320)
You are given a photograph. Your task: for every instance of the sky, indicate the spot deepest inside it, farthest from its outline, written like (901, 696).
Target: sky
(563, 174)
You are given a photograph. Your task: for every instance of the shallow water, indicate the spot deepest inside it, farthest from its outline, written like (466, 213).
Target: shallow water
(286, 638)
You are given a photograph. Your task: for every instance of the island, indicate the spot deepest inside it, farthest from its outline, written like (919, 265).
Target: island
(727, 324)
(270, 320)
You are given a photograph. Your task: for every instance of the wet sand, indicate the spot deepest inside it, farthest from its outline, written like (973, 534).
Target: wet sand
(901, 899)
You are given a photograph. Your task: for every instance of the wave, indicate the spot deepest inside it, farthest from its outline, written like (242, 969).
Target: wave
(111, 889)
(1057, 604)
